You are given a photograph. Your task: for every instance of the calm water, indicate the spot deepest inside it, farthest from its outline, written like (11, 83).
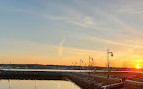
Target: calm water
(51, 70)
(37, 84)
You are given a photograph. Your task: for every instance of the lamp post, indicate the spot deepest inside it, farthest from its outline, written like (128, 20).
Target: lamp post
(85, 67)
(109, 52)
(80, 64)
(90, 64)
(75, 66)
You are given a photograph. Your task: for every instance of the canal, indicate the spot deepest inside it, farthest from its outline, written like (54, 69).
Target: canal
(37, 84)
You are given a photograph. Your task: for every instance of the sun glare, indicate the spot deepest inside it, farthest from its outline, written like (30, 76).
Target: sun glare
(138, 67)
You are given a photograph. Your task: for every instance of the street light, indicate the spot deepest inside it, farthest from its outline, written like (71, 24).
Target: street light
(90, 64)
(109, 52)
(81, 61)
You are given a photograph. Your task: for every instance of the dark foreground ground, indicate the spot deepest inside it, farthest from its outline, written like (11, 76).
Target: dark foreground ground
(134, 80)
(84, 80)
(135, 76)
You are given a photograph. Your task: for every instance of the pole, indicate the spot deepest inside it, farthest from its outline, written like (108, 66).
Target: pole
(80, 65)
(8, 78)
(108, 61)
(9, 83)
(75, 66)
(85, 67)
(89, 65)
(35, 77)
(9, 65)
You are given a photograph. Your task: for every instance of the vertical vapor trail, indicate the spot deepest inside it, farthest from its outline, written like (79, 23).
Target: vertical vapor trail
(60, 48)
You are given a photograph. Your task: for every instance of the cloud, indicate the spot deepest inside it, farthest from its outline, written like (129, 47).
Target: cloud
(130, 11)
(84, 21)
(125, 43)
(60, 48)
(24, 43)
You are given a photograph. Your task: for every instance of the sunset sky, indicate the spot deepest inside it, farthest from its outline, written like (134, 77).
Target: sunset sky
(65, 31)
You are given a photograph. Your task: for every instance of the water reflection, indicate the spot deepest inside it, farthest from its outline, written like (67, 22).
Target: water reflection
(50, 70)
(40, 84)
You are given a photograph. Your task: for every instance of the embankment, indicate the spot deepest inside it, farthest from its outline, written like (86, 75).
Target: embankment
(83, 80)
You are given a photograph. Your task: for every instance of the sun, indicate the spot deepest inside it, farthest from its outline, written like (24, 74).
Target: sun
(138, 67)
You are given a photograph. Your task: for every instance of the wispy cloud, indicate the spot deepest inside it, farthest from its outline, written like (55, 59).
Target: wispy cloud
(60, 48)
(84, 21)
(104, 41)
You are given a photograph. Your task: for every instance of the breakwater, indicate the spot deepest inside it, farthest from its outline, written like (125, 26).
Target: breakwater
(39, 75)
(83, 80)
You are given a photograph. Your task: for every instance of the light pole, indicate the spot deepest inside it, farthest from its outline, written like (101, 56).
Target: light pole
(85, 67)
(75, 66)
(72, 66)
(80, 64)
(109, 52)
(90, 64)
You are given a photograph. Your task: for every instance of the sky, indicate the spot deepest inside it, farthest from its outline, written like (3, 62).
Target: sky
(65, 31)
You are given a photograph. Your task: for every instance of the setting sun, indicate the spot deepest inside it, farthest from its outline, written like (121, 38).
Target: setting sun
(138, 67)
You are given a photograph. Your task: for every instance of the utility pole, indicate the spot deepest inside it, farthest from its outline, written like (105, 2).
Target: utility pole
(108, 52)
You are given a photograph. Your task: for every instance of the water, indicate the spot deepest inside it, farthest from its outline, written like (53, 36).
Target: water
(37, 84)
(59, 70)
(50, 70)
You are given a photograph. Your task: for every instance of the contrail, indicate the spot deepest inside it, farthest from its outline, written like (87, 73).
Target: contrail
(60, 48)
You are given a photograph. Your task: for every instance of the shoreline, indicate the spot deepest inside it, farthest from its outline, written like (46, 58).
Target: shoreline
(82, 80)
